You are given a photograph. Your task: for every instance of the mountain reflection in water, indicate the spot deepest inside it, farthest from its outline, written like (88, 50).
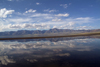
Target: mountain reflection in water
(79, 52)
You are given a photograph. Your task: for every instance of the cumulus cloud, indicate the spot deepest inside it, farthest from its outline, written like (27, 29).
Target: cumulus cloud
(64, 15)
(41, 15)
(37, 26)
(81, 18)
(68, 25)
(64, 5)
(48, 10)
(43, 23)
(84, 27)
(30, 10)
(34, 20)
(14, 0)
(37, 3)
(28, 26)
(56, 19)
(15, 26)
(4, 12)
(20, 20)
(9, 0)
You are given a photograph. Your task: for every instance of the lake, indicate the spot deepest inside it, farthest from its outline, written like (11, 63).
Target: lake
(52, 52)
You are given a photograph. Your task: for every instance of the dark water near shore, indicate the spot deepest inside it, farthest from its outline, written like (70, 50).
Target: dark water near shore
(73, 52)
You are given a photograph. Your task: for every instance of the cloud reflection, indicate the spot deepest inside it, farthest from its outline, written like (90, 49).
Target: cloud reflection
(43, 49)
(4, 60)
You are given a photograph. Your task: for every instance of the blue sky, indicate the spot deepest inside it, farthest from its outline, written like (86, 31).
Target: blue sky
(47, 14)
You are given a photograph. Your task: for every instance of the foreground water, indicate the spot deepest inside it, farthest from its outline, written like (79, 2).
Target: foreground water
(74, 52)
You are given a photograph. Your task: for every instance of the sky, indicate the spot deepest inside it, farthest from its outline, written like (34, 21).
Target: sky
(48, 14)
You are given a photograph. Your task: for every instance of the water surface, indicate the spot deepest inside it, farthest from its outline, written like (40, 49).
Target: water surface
(73, 52)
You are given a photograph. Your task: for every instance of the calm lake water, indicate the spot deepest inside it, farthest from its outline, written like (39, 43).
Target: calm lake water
(72, 52)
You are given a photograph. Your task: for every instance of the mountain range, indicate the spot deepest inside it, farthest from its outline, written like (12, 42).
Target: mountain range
(52, 32)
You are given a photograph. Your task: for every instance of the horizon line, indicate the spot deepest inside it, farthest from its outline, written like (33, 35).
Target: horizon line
(72, 35)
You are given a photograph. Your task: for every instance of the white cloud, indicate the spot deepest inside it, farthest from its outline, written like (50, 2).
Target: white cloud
(20, 20)
(28, 26)
(84, 27)
(64, 5)
(15, 26)
(7, 12)
(41, 15)
(37, 26)
(37, 3)
(30, 10)
(48, 10)
(9, 0)
(44, 23)
(4, 12)
(14, 0)
(81, 18)
(64, 15)
(56, 19)
(68, 25)
(34, 20)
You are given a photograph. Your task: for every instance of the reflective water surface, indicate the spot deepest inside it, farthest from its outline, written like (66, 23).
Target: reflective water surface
(74, 52)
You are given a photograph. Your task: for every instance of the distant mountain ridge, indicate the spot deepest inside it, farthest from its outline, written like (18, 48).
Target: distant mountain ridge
(51, 31)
